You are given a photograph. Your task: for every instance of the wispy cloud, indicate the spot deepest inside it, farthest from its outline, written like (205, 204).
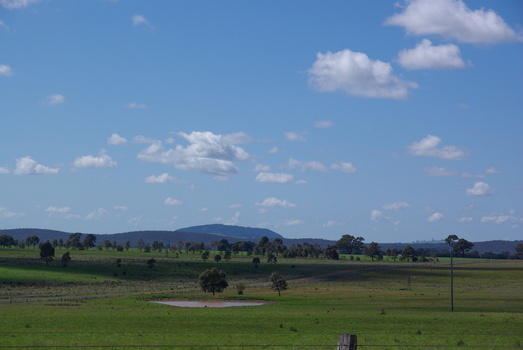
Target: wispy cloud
(172, 201)
(280, 178)
(275, 202)
(134, 105)
(435, 217)
(53, 100)
(5, 70)
(17, 4)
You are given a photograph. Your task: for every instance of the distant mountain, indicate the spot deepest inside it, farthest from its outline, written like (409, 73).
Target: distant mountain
(232, 231)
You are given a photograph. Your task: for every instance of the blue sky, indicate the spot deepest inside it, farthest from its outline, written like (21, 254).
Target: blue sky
(391, 120)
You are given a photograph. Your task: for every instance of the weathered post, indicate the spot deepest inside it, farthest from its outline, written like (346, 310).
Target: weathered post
(347, 342)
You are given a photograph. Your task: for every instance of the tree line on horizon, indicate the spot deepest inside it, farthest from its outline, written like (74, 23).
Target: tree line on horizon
(347, 245)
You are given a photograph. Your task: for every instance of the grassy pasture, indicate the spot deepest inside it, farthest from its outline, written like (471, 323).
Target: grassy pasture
(387, 305)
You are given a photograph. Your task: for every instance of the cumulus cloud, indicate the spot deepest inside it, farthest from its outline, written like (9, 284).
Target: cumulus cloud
(295, 136)
(332, 223)
(4, 170)
(428, 147)
(28, 166)
(5, 70)
(116, 140)
(435, 217)
(234, 220)
(480, 189)
(207, 153)
(280, 178)
(16, 4)
(439, 171)
(172, 201)
(53, 100)
(396, 206)
(356, 74)
(466, 219)
(427, 56)
(275, 202)
(454, 20)
(323, 124)
(90, 161)
(160, 179)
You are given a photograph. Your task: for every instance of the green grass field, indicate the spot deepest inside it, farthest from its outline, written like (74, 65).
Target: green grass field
(92, 304)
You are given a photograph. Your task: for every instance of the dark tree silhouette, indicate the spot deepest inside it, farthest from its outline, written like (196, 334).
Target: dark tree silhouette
(278, 282)
(47, 252)
(213, 281)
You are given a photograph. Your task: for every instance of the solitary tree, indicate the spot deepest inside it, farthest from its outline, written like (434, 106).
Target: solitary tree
(217, 258)
(89, 241)
(213, 281)
(462, 246)
(519, 250)
(150, 263)
(256, 261)
(372, 250)
(350, 244)
(278, 282)
(408, 253)
(47, 252)
(66, 259)
(205, 256)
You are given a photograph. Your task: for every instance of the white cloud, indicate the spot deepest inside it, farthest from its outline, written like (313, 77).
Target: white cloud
(172, 201)
(323, 124)
(4, 170)
(144, 139)
(275, 202)
(427, 147)
(295, 136)
(139, 20)
(3, 25)
(97, 214)
(453, 19)
(344, 167)
(27, 166)
(235, 205)
(427, 56)
(480, 189)
(134, 105)
(376, 215)
(273, 150)
(293, 222)
(116, 140)
(439, 171)
(280, 178)
(5, 70)
(331, 223)
(90, 161)
(8, 214)
(261, 167)
(466, 219)
(207, 153)
(54, 100)
(160, 179)
(396, 206)
(356, 74)
(234, 220)
(120, 208)
(306, 165)
(435, 217)
(59, 210)
(491, 171)
(499, 218)
(16, 4)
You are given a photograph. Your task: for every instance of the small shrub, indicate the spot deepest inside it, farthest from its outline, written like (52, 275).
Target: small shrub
(293, 329)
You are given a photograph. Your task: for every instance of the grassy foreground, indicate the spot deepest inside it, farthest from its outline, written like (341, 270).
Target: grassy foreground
(93, 304)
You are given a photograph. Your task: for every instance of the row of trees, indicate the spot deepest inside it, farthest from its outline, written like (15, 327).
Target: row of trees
(347, 244)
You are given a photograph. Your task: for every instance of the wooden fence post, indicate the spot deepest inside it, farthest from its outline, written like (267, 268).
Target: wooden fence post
(347, 342)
